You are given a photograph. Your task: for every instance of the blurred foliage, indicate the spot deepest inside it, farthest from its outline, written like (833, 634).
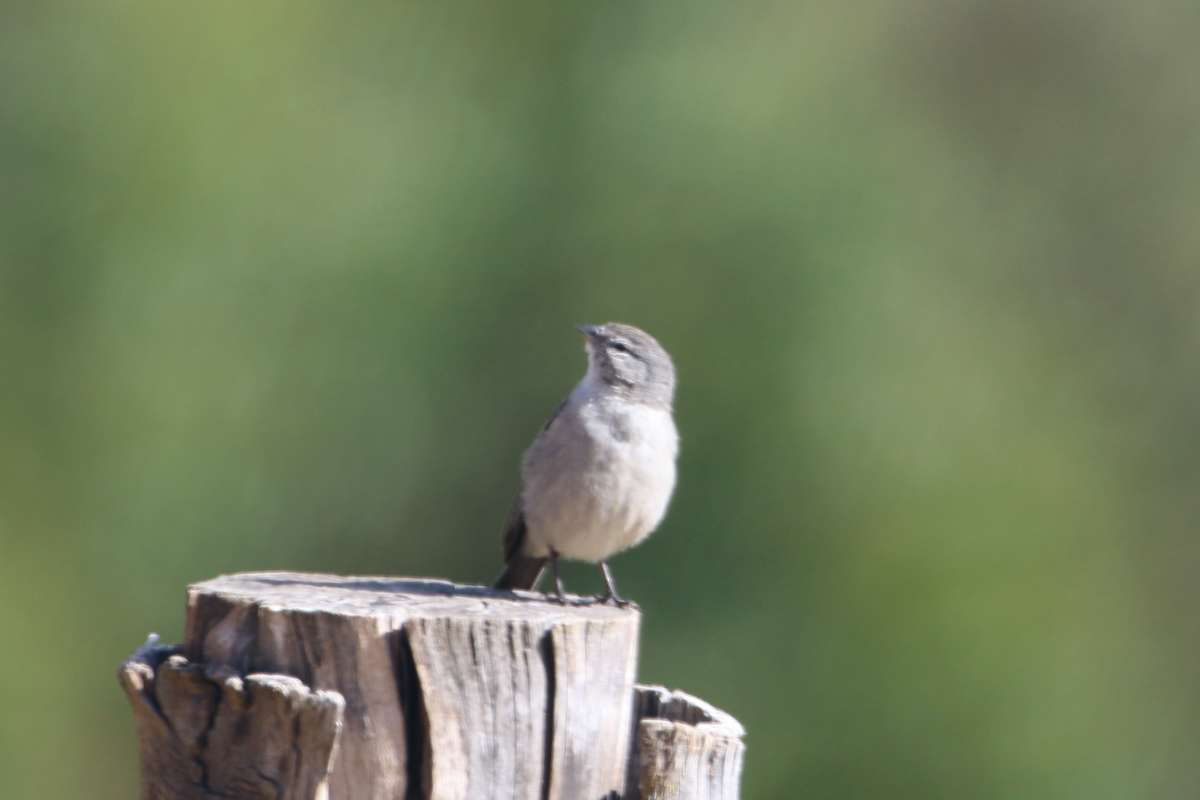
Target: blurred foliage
(291, 285)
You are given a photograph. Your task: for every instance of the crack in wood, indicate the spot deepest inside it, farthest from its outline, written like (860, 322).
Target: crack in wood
(546, 650)
(416, 732)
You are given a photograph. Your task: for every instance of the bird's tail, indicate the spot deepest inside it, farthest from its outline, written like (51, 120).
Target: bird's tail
(522, 572)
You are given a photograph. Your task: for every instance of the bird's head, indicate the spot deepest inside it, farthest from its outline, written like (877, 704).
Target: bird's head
(629, 362)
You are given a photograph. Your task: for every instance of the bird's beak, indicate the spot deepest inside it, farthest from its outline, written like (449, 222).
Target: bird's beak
(590, 331)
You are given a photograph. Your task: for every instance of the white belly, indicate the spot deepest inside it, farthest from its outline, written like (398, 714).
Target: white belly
(599, 479)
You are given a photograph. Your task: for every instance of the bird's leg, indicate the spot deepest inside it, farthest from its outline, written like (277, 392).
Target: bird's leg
(558, 584)
(610, 596)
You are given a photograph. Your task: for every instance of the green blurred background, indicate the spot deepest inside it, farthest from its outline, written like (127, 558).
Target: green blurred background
(291, 285)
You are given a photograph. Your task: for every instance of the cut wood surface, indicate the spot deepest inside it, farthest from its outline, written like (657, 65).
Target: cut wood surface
(318, 687)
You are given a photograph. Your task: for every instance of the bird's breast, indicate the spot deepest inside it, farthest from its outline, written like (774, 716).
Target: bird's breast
(599, 479)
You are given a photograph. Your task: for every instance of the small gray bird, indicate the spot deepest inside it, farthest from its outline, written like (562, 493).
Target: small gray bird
(600, 474)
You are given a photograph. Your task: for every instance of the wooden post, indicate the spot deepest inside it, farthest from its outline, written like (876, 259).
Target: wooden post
(684, 748)
(317, 686)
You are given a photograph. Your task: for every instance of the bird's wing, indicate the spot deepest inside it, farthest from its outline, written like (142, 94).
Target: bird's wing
(514, 524)
(514, 529)
(554, 416)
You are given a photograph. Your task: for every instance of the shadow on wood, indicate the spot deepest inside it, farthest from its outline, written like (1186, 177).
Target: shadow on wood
(373, 688)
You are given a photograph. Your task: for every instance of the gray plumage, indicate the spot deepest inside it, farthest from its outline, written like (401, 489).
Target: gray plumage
(599, 476)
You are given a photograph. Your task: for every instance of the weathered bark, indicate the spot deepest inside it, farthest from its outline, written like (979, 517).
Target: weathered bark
(684, 749)
(317, 686)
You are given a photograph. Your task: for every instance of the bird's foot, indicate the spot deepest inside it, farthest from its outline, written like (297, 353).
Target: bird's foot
(613, 600)
(567, 600)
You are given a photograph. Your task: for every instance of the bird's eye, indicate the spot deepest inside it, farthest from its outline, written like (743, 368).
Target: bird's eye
(619, 347)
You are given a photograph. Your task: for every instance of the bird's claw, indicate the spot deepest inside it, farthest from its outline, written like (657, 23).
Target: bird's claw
(613, 600)
(563, 600)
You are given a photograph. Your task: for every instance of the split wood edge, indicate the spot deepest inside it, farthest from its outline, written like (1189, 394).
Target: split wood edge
(684, 748)
(206, 733)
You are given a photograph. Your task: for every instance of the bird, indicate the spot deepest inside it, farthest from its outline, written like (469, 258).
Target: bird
(599, 476)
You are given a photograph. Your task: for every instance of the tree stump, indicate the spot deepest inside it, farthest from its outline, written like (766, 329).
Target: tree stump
(319, 687)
